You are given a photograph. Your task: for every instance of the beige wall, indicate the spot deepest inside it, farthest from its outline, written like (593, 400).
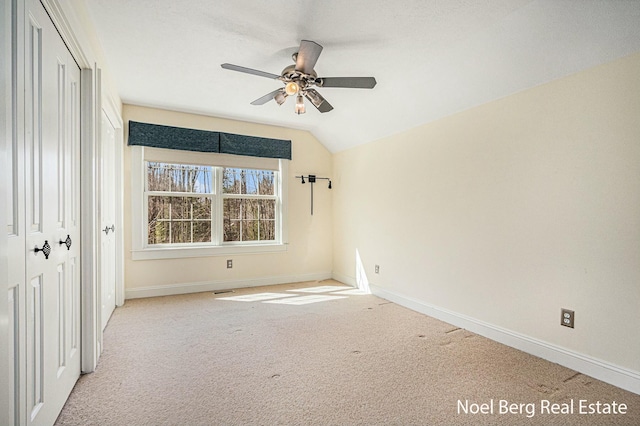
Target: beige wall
(508, 212)
(309, 250)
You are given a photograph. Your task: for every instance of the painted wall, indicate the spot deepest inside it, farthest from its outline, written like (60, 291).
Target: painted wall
(510, 211)
(308, 255)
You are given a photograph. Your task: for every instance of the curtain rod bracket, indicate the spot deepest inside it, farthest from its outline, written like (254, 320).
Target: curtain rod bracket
(312, 179)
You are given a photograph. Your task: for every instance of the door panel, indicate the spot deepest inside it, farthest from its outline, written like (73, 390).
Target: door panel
(52, 205)
(108, 219)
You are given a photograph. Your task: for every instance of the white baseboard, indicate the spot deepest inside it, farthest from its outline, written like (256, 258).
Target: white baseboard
(196, 287)
(601, 370)
(345, 279)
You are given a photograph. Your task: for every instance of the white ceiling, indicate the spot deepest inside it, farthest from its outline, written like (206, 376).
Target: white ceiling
(431, 58)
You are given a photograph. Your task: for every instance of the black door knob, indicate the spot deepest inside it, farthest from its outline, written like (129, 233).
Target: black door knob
(66, 242)
(46, 249)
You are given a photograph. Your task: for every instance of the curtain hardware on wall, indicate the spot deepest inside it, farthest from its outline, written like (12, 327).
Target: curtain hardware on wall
(312, 179)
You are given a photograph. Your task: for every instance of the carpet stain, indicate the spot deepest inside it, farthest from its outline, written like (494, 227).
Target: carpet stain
(542, 388)
(571, 378)
(422, 336)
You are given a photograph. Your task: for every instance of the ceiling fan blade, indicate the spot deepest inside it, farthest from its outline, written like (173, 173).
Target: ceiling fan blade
(308, 54)
(250, 71)
(348, 82)
(266, 98)
(318, 101)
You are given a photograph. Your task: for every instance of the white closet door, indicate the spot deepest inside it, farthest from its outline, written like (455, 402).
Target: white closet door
(108, 220)
(52, 145)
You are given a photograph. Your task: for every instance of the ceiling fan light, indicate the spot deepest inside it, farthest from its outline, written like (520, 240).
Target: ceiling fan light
(300, 105)
(280, 97)
(312, 95)
(291, 88)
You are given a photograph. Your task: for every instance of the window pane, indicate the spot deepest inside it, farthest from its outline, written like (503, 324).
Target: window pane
(202, 232)
(201, 208)
(266, 182)
(250, 230)
(249, 220)
(179, 220)
(179, 177)
(253, 181)
(231, 209)
(180, 232)
(248, 181)
(267, 209)
(231, 181)
(231, 230)
(158, 233)
(267, 230)
(250, 209)
(232, 213)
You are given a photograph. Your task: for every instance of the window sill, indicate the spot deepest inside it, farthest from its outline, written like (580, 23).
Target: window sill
(186, 252)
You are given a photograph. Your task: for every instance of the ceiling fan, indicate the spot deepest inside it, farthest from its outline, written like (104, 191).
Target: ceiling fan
(300, 78)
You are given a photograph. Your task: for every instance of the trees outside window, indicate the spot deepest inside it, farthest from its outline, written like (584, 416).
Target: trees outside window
(183, 202)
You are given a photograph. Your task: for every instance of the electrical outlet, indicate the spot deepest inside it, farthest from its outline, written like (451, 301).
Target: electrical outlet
(377, 269)
(229, 263)
(567, 318)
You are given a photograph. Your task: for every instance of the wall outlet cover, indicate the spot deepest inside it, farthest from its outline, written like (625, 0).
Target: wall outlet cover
(568, 317)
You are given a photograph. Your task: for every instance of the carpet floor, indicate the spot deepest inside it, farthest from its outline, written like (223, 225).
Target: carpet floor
(320, 353)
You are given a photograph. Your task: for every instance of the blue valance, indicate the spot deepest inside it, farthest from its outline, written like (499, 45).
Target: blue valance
(169, 137)
(254, 146)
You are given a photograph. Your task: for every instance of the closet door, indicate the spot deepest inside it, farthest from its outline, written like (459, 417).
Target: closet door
(108, 219)
(51, 182)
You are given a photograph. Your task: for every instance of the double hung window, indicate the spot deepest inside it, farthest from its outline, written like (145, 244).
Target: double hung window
(179, 200)
(249, 205)
(206, 204)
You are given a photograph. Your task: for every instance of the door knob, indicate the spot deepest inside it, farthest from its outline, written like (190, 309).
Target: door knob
(46, 249)
(66, 242)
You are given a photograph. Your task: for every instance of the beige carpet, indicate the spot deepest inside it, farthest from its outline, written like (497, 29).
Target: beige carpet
(202, 359)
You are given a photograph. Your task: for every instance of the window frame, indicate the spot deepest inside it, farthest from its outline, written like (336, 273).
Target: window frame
(141, 250)
(229, 196)
(177, 194)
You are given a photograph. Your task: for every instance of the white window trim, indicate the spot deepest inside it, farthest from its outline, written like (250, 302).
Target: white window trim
(140, 250)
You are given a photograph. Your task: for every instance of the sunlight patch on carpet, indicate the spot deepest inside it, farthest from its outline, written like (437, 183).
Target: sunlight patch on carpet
(256, 297)
(321, 289)
(305, 300)
(352, 292)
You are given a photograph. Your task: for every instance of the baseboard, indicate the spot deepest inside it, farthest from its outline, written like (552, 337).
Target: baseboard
(601, 370)
(197, 287)
(344, 279)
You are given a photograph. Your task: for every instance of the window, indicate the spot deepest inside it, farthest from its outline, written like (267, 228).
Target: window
(179, 199)
(206, 204)
(249, 205)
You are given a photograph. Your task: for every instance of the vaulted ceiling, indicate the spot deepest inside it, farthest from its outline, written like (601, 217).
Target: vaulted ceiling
(431, 58)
